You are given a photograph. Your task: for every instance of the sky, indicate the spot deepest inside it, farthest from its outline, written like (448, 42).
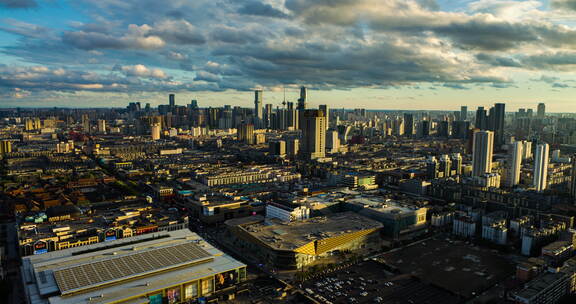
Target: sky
(374, 54)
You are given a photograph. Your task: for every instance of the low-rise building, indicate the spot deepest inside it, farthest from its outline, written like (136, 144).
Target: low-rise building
(217, 208)
(296, 245)
(233, 175)
(464, 226)
(99, 225)
(496, 233)
(401, 220)
(287, 212)
(556, 253)
(442, 219)
(168, 267)
(548, 287)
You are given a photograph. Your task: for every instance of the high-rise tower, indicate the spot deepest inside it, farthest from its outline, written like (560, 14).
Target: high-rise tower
(302, 99)
(172, 101)
(313, 126)
(498, 123)
(573, 179)
(482, 152)
(481, 119)
(541, 111)
(515, 164)
(464, 113)
(258, 102)
(326, 110)
(541, 167)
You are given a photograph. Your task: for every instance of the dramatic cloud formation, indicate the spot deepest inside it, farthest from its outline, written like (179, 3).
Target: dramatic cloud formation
(132, 46)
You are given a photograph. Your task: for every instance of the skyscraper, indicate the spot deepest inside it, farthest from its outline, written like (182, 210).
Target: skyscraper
(313, 126)
(432, 167)
(515, 163)
(425, 128)
(573, 179)
(172, 101)
(101, 126)
(302, 99)
(482, 152)
(324, 108)
(246, 133)
(456, 159)
(526, 150)
(464, 113)
(398, 127)
(292, 116)
(156, 128)
(277, 148)
(541, 167)
(292, 147)
(481, 119)
(268, 116)
(332, 141)
(5, 147)
(541, 111)
(86, 123)
(498, 123)
(258, 110)
(445, 167)
(408, 124)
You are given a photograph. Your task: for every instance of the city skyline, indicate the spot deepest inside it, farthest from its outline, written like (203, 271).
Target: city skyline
(396, 55)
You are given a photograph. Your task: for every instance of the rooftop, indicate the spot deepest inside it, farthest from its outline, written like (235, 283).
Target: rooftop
(111, 271)
(293, 235)
(383, 205)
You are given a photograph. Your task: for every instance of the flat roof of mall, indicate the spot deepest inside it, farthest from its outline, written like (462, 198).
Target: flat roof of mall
(134, 267)
(290, 236)
(383, 205)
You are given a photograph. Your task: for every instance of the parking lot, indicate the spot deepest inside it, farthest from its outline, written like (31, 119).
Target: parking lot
(261, 290)
(369, 282)
(461, 268)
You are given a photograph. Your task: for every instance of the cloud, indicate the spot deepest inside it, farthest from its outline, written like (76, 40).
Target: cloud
(547, 79)
(563, 4)
(44, 79)
(560, 85)
(556, 61)
(496, 60)
(141, 70)
(455, 86)
(429, 4)
(18, 4)
(178, 56)
(206, 76)
(178, 32)
(510, 10)
(327, 44)
(359, 64)
(25, 29)
(137, 37)
(481, 30)
(257, 8)
(58, 79)
(234, 35)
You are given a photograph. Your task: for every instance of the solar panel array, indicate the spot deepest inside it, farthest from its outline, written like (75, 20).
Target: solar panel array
(85, 276)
